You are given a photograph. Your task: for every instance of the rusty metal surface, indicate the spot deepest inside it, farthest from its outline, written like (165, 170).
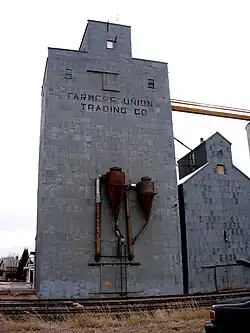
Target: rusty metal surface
(146, 193)
(128, 226)
(98, 233)
(116, 187)
(98, 221)
(139, 232)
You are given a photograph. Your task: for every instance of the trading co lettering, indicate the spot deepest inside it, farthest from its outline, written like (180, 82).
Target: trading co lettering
(111, 104)
(104, 108)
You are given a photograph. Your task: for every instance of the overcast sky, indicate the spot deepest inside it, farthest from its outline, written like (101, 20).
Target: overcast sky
(206, 45)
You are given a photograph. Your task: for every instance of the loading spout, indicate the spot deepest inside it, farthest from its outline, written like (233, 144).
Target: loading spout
(140, 231)
(128, 226)
(98, 220)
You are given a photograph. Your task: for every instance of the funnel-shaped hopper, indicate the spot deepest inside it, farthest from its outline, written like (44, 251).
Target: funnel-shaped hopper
(145, 195)
(146, 205)
(116, 186)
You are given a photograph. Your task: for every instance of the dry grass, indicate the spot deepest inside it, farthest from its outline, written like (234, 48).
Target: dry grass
(180, 321)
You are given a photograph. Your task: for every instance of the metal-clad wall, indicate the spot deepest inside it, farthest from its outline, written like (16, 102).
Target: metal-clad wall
(217, 218)
(100, 112)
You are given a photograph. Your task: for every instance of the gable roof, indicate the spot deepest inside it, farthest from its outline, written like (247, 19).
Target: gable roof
(218, 134)
(192, 174)
(242, 173)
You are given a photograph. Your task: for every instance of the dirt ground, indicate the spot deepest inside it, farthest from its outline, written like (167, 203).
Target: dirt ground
(180, 321)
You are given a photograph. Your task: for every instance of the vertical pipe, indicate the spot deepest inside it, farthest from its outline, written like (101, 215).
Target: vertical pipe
(215, 279)
(128, 226)
(121, 270)
(100, 279)
(98, 220)
(126, 274)
(120, 240)
(140, 231)
(184, 246)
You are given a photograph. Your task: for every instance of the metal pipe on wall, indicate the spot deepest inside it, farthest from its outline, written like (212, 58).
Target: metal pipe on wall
(98, 220)
(140, 231)
(120, 240)
(128, 226)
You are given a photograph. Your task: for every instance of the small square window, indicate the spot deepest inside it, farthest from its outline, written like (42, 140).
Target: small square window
(68, 73)
(151, 83)
(220, 169)
(110, 44)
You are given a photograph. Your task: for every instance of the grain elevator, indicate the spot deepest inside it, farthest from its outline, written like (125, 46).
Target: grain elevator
(214, 217)
(108, 218)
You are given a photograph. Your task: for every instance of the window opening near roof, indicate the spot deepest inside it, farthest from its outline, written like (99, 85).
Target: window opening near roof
(110, 44)
(151, 83)
(68, 73)
(220, 169)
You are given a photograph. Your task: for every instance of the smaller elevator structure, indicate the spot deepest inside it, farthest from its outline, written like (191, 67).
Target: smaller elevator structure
(215, 219)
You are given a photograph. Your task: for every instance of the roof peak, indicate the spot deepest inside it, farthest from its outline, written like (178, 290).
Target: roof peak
(108, 22)
(218, 133)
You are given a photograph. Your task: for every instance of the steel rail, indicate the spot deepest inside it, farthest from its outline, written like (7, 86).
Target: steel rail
(96, 300)
(60, 309)
(98, 310)
(128, 301)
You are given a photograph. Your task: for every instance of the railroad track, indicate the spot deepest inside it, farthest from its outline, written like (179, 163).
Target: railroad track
(58, 309)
